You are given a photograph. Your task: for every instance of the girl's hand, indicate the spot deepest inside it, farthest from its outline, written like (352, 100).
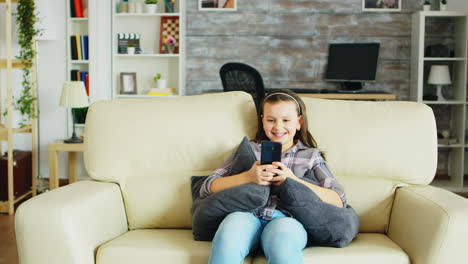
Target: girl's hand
(282, 172)
(260, 174)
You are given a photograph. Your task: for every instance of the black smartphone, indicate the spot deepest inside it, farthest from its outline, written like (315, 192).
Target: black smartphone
(271, 151)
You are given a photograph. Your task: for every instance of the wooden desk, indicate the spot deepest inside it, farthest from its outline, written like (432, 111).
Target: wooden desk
(72, 150)
(349, 96)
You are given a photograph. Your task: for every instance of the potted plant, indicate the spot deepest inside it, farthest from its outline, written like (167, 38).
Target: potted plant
(427, 5)
(131, 49)
(151, 6)
(26, 20)
(443, 5)
(161, 83)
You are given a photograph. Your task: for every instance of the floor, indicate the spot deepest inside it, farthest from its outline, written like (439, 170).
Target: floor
(8, 252)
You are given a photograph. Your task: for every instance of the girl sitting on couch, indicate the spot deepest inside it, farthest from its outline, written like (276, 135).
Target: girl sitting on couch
(283, 119)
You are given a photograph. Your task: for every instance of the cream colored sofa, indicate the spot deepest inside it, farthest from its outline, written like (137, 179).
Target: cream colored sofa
(142, 153)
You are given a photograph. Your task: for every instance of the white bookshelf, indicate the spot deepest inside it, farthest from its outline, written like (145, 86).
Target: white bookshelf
(151, 62)
(453, 156)
(76, 25)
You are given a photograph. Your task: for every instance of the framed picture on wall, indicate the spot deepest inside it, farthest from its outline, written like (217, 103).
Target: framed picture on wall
(128, 83)
(381, 5)
(217, 5)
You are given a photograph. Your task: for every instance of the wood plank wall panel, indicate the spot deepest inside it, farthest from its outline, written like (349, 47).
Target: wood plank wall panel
(287, 42)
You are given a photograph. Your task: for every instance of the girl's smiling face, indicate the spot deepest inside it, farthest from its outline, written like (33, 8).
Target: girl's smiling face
(280, 122)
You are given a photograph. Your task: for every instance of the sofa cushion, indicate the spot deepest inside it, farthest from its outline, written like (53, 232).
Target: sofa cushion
(151, 148)
(155, 246)
(365, 249)
(177, 246)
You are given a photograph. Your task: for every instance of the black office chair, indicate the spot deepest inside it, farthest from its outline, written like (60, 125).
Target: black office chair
(242, 77)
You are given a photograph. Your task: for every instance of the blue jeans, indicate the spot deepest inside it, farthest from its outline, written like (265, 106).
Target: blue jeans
(282, 239)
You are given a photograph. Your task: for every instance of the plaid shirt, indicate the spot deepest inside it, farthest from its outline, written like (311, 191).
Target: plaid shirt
(300, 159)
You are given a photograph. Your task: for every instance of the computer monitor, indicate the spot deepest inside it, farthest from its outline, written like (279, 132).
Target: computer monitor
(352, 63)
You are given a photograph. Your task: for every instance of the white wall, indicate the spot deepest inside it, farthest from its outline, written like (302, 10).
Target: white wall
(51, 69)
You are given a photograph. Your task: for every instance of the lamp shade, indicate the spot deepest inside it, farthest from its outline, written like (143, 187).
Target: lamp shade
(74, 95)
(439, 74)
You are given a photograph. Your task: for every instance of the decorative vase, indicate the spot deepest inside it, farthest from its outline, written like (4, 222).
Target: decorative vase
(443, 7)
(169, 48)
(426, 7)
(131, 50)
(162, 84)
(151, 8)
(123, 7)
(132, 7)
(139, 7)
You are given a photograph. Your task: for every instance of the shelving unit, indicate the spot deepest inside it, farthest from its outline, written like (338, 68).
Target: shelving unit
(449, 28)
(76, 26)
(151, 62)
(7, 130)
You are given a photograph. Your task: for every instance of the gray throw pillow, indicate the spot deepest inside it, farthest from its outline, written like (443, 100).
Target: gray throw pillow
(326, 224)
(208, 213)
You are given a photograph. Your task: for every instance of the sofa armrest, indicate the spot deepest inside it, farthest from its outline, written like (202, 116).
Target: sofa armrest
(68, 224)
(430, 224)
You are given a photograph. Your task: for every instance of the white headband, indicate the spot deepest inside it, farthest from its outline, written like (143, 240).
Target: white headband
(288, 95)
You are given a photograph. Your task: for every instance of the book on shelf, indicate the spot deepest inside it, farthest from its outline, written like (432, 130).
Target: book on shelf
(72, 8)
(85, 48)
(73, 51)
(83, 77)
(78, 6)
(82, 47)
(77, 75)
(79, 47)
(87, 83)
(156, 91)
(73, 75)
(169, 6)
(85, 8)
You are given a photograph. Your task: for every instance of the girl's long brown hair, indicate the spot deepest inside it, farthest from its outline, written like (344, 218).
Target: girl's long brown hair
(279, 96)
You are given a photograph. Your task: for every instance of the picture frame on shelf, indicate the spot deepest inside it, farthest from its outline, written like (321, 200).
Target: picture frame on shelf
(217, 5)
(381, 5)
(128, 83)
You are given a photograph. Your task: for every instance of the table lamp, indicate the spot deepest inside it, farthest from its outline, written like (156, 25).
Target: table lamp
(439, 75)
(74, 96)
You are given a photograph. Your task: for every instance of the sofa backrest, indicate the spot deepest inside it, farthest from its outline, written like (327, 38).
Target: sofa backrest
(374, 147)
(151, 147)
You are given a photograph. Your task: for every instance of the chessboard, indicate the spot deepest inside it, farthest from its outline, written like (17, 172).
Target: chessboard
(169, 27)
